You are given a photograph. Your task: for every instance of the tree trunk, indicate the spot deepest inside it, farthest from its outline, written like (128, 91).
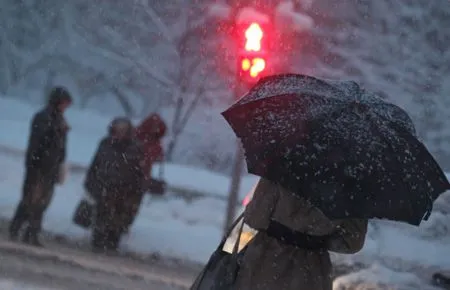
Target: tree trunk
(171, 148)
(180, 120)
(49, 83)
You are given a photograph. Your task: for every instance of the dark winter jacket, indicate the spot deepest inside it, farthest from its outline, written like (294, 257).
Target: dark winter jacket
(115, 169)
(47, 143)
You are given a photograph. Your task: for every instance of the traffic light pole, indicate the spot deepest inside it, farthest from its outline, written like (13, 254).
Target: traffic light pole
(236, 174)
(233, 197)
(252, 46)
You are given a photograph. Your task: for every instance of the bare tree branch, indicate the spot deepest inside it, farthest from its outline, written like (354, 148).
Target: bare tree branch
(165, 31)
(123, 100)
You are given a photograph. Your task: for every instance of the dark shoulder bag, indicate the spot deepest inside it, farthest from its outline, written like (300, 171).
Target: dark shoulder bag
(222, 268)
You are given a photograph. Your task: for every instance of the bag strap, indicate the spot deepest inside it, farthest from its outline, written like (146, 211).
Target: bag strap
(238, 240)
(201, 276)
(230, 230)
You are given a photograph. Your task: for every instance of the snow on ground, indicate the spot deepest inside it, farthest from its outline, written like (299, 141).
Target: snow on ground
(18, 285)
(173, 227)
(191, 229)
(87, 129)
(376, 276)
(288, 19)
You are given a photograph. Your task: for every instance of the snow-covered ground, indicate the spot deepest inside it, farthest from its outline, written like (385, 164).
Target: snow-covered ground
(171, 227)
(87, 129)
(393, 253)
(17, 285)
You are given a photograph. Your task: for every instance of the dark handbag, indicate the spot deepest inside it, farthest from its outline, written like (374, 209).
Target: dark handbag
(441, 280)
(222, 268)
(84, 214)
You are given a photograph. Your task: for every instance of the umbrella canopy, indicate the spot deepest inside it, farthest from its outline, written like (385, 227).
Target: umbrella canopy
(346, 150)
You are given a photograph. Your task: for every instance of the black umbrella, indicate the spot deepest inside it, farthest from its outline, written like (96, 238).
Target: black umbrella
(346, 150)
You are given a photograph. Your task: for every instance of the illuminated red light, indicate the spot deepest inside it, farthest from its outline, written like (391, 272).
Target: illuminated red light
(253, 37)
(258, 65)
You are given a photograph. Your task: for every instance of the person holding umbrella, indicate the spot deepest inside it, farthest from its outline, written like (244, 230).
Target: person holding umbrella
(331, 155)
(290, 250)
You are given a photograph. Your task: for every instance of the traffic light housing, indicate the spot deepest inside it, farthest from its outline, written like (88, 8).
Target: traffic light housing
(253, 51)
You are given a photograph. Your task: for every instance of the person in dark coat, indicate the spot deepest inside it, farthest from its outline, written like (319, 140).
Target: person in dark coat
(114, 180)
(291, 248)
(44, 160)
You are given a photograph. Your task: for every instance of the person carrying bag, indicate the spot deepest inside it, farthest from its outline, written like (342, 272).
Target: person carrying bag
(85, 211)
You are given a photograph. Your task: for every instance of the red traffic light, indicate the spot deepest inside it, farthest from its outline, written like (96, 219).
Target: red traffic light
(253, 49)
(253, 37)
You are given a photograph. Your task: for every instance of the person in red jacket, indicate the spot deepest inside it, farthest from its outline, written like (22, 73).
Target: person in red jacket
(149, 133)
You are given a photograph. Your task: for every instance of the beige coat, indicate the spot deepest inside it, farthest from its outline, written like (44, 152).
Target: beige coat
(269, 264)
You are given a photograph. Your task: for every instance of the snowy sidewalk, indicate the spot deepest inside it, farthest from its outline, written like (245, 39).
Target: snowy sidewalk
(172, 227)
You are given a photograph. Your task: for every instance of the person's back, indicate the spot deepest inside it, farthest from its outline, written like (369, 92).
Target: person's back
(115, 166)
(95, 177)
(290, 250)
(115, 176)
(123, 170)
(47, 142)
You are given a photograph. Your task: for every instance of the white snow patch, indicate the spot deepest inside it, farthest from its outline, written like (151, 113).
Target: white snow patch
(289, 20)
(251, 14)
(169, 226)
(376, 275)
(203, 181)
(219, 10)
(8, 284)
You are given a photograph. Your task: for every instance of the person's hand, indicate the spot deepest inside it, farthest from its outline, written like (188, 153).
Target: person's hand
(155, 186)
(62, 173)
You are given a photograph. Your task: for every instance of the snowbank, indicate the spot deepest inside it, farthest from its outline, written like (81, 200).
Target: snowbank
(8, 284)
(377, 277)
(287, 19)
(88, 129)
(219, 10)
(203, 181)
(169, 226)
